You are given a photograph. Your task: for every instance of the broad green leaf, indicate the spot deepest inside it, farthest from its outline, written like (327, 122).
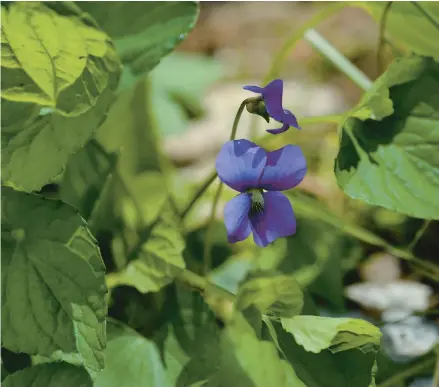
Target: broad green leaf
(49, 375)
(178, 86)
(144, 31)
(394, 163)
(408, 25)
(87, 174)
(130, 360)
(157, 260)
(53, 285)
(345, 368)
(246, 361)
(316, 333)
(318, 265)
(175, 358)
(129, 130)
(53, 60)
(275, 293)
(34, 154)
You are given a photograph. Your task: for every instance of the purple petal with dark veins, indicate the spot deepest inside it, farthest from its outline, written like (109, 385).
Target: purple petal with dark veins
(240, 164)
(272, 96)
(284, 128)
(285, 168)
(236, 218)
(276, 221)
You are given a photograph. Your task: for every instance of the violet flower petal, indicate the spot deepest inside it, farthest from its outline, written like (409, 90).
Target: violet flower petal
(236, 218)
(284, 128)
(290, 119)
(254, 89)
(285, 168)
(240, 164)
(276, 221)
(272, 96)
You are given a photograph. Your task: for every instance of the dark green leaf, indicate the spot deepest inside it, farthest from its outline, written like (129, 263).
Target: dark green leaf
(87, 174)
(275, 293)
(178, 86)
(246, 361)
(408, 25)
(49, 375)
(130, 131)
(130, 360)
(394, 163)
(145, 31)
(53, 285)
(326, 369)
(158, 259)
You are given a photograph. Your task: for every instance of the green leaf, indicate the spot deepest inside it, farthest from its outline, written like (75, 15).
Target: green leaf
(316, 333)
(246, 361)
(87, 173)
(387, 162)
(178, 85)
(344, 368)
(33, 155)
(53, 60)
(88, 185)
(130, 131)
(49, 375)
(53, 285)
(157, 260)
(318, 266)
(130, 360)
(408, 25)
(276, 293)
(145, 31)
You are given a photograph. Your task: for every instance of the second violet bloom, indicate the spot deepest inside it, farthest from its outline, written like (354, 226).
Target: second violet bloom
(272, 98)
(259, 176)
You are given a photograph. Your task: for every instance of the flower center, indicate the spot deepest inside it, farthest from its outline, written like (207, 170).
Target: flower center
(257, 201)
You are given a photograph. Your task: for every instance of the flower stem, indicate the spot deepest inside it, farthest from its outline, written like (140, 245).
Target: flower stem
(381, 39)
(338, 59)
(419, 235)
(201, 284)
(208, 241)
(408, 372)
(426, 13)
(282, 55)
(209, 180)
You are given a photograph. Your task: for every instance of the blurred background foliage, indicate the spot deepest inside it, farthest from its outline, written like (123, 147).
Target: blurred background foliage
(169, 116)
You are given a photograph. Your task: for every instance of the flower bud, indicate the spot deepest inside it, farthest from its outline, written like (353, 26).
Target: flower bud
(257, 106)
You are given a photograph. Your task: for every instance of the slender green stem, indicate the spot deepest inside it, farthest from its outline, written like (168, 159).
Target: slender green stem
(408, 372)
(290, 43)
(282, 55)
(201, 284)
(419, 235)
(209, 180)
(381, 39)
(208, 242)
(436, 372)
(426, 13)
(338, 59)
(209, 233)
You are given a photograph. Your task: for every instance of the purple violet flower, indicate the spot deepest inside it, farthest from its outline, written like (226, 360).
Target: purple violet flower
(272, 97)
(259, 176)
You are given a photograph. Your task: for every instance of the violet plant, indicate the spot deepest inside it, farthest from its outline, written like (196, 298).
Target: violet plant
(110, 276)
